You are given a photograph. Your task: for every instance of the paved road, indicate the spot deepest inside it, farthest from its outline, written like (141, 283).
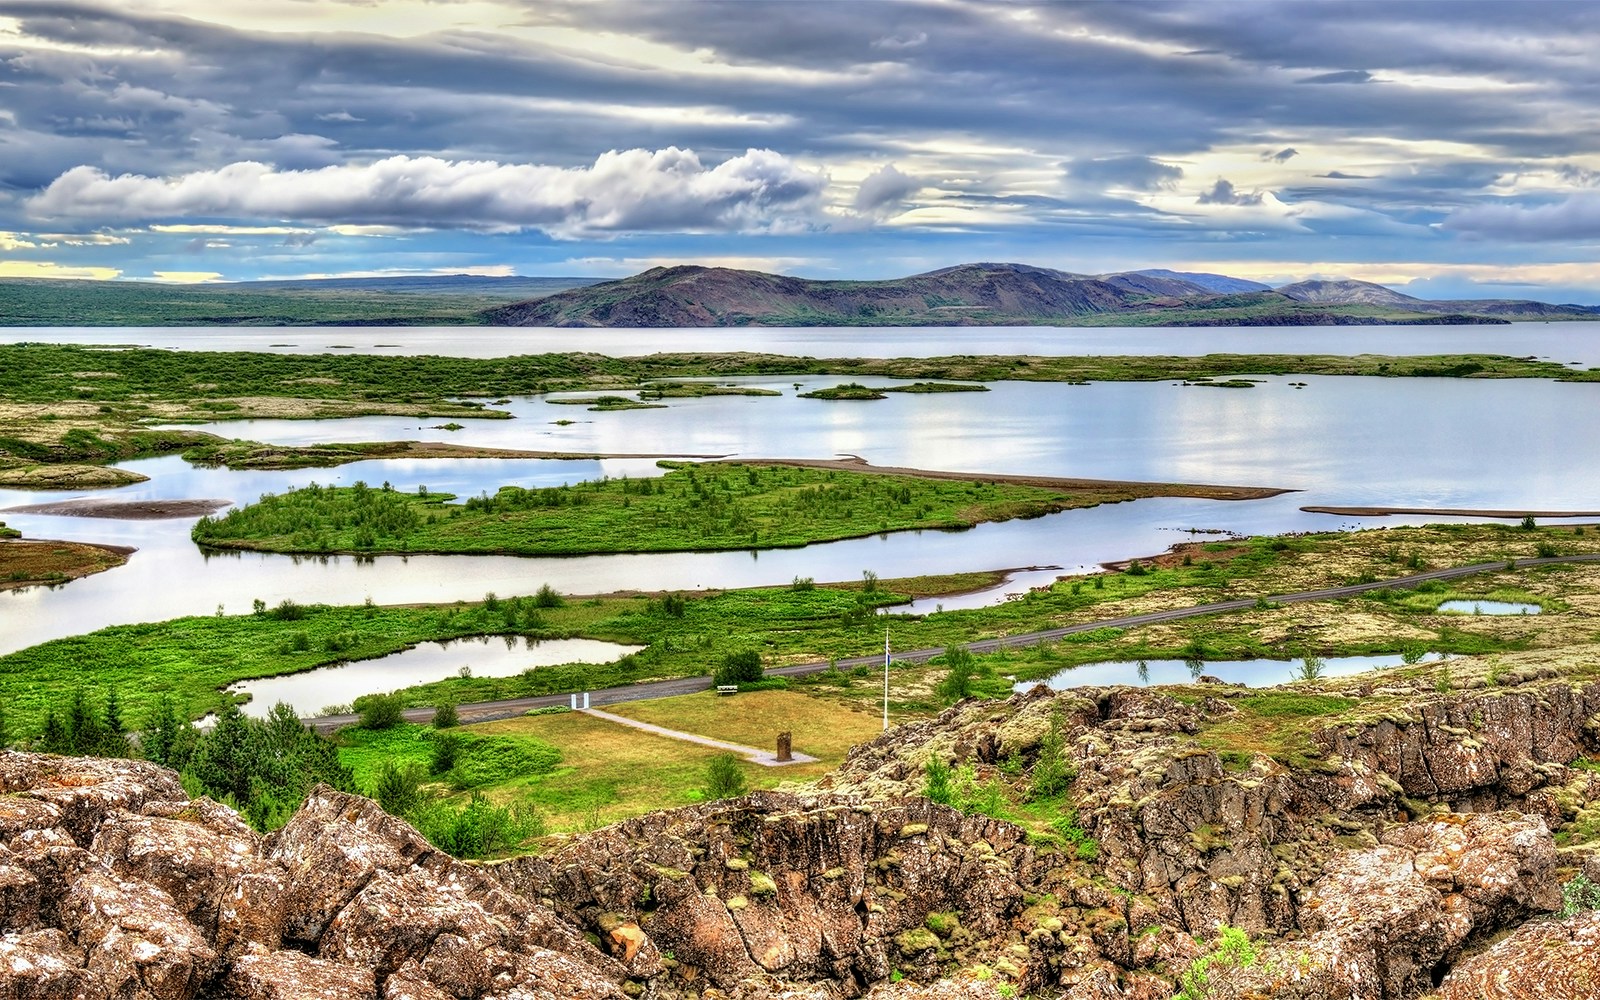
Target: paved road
(486, 710)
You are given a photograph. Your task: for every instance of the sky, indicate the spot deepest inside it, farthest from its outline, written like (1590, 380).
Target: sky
(1445, 149)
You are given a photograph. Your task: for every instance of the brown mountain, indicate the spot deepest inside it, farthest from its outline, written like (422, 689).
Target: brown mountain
(985, 294)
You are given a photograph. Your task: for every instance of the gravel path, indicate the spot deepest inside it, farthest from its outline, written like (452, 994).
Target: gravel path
(766, 758)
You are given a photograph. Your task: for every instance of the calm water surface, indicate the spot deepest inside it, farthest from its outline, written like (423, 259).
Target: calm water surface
(1251, 673)
(491, 656)
(1561, 342)
(1341, 441)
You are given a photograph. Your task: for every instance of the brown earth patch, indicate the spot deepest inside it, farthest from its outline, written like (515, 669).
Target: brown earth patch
(44, 562)
(1447, 512)
(124, 510)
(1131, 488)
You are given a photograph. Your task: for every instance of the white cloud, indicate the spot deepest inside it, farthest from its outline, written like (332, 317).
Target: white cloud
(49, 269)
(667, 190)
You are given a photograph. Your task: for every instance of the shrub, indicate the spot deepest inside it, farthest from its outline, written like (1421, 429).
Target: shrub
(288, 611)
(957, 682)
(1527, 523)
(1052, 773)
(398, 787)
(936, 785)
(546, 597)
(379, 711)
(1578, 895)
(724, 779)
(445, 717)
(803, 583)
(1232, 950)
(740, 668)
(446, 751)
(477, 829)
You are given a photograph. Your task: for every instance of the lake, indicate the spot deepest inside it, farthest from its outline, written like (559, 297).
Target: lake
(1341, 441)
(1562, 341)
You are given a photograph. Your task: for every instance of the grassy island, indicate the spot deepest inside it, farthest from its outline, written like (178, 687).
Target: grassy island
(849, 390)
(693, 507)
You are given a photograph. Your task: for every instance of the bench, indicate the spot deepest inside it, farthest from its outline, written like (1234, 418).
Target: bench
(727, 689)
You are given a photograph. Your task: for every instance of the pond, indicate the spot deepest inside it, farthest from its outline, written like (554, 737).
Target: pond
(1252, 673)
(1476, 607)
(487, 656)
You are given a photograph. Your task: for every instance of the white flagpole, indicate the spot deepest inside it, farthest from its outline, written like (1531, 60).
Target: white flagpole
(886, 678)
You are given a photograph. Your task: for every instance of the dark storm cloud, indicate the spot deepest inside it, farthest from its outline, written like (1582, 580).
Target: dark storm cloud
(1137, 172)
(885, 188)
(1341, 76)
(1223, 193)
(1574, 218)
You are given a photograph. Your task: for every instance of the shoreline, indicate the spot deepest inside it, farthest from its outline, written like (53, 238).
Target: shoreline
(124, 510)
(854, 463)
(1447, 512)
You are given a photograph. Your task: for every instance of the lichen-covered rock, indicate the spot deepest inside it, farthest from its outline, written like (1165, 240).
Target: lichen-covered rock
(288, 975)
(114, 885)
(44, 965)
(774, 884)
(1542, 960)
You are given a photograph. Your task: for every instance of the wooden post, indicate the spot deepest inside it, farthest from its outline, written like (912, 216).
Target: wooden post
(785, 752)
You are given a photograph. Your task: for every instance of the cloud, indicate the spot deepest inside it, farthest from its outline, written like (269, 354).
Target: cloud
(1343, 76)
(667, 190)
(1574, 174)
(1138, 172)
(16, 241)
(50, 269)
(187, 277)
(339, 116)
(1340, 175)
(885, 190)
(910, 41)
(1281, 156)
(1222, 193)
(1574, 218)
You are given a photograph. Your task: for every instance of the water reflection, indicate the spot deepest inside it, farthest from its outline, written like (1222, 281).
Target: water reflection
(1471, 607)
(1336, 440)
(1561, 342)
(486, 656)
(1251, 673)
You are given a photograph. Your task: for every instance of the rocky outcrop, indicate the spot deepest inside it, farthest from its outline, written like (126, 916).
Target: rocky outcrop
(1194, 837)
(1550, 959)
(831, 889)
(113, 883)
(1373, 845)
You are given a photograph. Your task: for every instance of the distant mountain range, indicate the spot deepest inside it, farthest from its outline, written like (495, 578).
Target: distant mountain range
(966, 295)
(989, 294)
